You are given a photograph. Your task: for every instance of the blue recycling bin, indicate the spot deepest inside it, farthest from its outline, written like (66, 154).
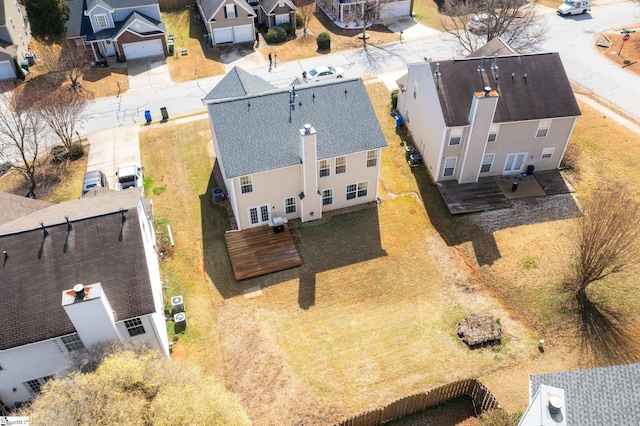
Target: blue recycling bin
(147, 116)
(398, 121)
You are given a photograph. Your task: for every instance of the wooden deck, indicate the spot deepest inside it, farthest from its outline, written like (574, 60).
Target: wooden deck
(553, 183)
(259, 251)
(472, 197)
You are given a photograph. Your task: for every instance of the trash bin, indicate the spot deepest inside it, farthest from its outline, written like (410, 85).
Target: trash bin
(514, 186)
(530, 169)
(218, 195)
(165, 114)
(24, 64)
(31, 57)
(170, 44)
(147, 116)
(398, 121)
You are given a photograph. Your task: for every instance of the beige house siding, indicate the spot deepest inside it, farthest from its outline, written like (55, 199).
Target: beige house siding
(243, 17)
(18, 27)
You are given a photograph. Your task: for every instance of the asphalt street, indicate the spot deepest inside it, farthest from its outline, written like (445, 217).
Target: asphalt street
(573, 37)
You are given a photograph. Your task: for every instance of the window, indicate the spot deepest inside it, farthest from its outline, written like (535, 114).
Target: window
(101, 21)
(325, 168)
(12, 24)
(356, 190)
(487, 161)
(351, 191)
(362, 189)
(134, 326)
(456, 136)
(449, 166)
(493, 133)
(543, 128)
(35, 385)
(282, 19)
(259, 215)
(372, 158)
(72, 342)
(290, 205)
(547, 153)
(230, 11)
(327, 197)
(246, 185)
(341, 165)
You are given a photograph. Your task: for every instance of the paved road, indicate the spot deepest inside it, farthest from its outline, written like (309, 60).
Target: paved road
(572, 37)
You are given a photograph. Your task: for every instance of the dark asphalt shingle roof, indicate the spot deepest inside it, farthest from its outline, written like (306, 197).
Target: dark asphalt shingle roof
(597, 396)
(99, 248)
(545, 93)
(210, 7)
(238, 83)
(261, 132)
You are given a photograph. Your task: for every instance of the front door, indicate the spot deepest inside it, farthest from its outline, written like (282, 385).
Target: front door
(259, 215)
(514, 163)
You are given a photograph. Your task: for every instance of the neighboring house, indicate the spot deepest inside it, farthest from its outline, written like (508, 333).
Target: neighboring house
(294, 152)
(347, 13)
(273, 13)
(591, 397)
(477, 117)
(15, 35)
(106, 243)
(127, 29)
(228, 21)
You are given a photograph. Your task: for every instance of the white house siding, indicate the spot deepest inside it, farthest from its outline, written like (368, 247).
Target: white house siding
(29, 362)
(16, 12)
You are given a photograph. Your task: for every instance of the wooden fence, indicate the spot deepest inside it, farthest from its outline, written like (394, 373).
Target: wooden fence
(174, 4)
(482, 399)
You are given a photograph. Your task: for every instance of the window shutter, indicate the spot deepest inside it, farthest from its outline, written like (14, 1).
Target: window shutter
(235, 11)
(225, 12)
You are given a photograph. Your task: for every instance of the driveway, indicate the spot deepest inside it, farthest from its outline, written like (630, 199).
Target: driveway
(149, 73)
(111, 147)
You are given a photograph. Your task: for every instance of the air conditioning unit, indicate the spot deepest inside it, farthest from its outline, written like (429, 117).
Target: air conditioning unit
(177, 304)
(180, 319)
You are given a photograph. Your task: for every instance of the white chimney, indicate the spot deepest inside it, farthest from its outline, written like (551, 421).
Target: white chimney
(309, 199)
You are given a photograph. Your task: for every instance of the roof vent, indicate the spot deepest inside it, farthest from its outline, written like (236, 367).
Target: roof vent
(307, 129)
(78, 289)
(555, 404)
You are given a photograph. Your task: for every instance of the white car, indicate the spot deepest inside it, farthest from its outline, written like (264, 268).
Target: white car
(323, 73)
(479, 23)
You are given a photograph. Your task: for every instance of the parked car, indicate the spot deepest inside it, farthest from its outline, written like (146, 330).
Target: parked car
(93, 179)
(129, 176)
(323, 73)
(480, 23)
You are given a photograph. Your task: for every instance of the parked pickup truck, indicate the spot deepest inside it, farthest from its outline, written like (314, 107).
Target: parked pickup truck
(574, 7)
(129, 176)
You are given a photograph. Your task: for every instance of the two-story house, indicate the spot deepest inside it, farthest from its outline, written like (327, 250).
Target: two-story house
(477, 116)
(228, 21)
(349, 13)
(15, 35)
(73, 275)
(294, 152)
(128, 29)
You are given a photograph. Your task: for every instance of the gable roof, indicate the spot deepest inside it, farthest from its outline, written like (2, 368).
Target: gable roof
(237, 83)
(544, 93)
(211, 7)
(99, 248)
(596, 396)
(118, 4)
(14, 206)
(156, 26)
(269, 5)
(261, 132)
(496, 46)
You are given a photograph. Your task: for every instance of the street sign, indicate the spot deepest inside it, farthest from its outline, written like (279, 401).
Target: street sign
(626, 37)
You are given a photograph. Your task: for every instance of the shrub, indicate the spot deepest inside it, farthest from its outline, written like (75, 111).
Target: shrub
(276, 35)
(59, 154)
(299, 19)
(76, 151)
(394, 99)
(324, 41)
(287, 27)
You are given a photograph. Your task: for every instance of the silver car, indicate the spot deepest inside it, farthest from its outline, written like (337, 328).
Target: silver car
(93, 179)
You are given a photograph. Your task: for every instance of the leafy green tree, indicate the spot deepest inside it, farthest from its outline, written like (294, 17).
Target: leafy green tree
(47, 17)
(130, 388)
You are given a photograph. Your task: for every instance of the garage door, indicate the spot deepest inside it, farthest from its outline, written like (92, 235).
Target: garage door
(223, 35)
(7, 70)
(142, 49)
(243, 33)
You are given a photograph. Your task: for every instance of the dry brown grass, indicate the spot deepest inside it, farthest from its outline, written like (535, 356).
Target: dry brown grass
(626, 56)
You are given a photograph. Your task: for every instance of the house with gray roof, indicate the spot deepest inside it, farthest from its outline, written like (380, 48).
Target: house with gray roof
(590, 397)
(73, 275)
(294, 152)
(15, 36)
(228, 21)
(126, 29)
(488, 116)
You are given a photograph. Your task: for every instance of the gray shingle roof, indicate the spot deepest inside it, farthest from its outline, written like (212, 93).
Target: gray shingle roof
(119, 4)
(545, 93)
(99, 248)
(261, 132)
(494, 47)
(237, 83)
(160, 27)
(209, 8)
(14, 206)
(76, 16)
(597, 396)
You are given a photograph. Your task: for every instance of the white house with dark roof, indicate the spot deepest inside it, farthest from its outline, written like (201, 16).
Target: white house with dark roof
(294, 152)
(72, 275)
(15, 36)
(128, 29)
(477, 116)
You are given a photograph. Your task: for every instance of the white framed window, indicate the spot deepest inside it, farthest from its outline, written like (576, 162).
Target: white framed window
(493, 133)
(362, 189)
(357, 190)
(18, 7)
(327, 197)
(72, 342)
(35, 385)
(230, 11)
(372, 158)
(259, 215)
(515, 162)
(455, 136)
(246, 184)
(101, 21)
(12, 24)
(449, 166)
(543, 128)
(134, 327)
(282, 19)
(547, 153)
(487, 161)
(290, 205)
(324, 168)
(341, 165)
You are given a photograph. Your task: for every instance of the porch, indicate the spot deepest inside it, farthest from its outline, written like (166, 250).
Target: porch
(260, 251)
(495, 192)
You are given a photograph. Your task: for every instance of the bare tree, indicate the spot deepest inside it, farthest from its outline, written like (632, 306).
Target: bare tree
(307, 9)
(514, 21)
(23, 137)
(607, 239)
(67, 59)
(366, 14)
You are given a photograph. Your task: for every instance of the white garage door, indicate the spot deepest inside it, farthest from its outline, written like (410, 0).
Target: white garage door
(7, 70)
(223, 35)
(394, 9)
(243, 33)
(142, 49)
